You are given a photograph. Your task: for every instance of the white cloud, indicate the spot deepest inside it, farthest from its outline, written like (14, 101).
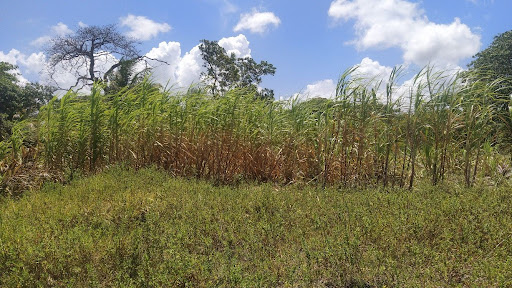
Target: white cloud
(170, 52)
(177, 70)
(11, 57)
(238, 45)
(41, 41)
(66, 73)
(190, 67)
(257, 22)
(34, 64)
(31, 65)
(403, 24)
(368, 72)
(441, 44)
(323, 89)
(183, 71)
(82, 24)
(369, 69)
(143, 28)
(60, 30)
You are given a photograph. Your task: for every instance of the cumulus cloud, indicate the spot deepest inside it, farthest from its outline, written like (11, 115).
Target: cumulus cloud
(441, 43)
(28, 65)
(183, 71)
(142, 28)
(238, 45)
(372, 70)
(323, 89)
(34, 64)
(11, 57)
(170, 52)
(403, 24)
(257, 22)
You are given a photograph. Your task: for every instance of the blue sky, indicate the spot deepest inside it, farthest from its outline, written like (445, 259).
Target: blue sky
(310, 42)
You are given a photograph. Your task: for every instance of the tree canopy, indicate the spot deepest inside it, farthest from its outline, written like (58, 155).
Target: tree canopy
(496, 60)
(224, 71)
(494, 64)
(18, 101)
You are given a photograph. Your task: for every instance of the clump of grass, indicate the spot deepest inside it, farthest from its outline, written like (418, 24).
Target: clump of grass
(145, 228)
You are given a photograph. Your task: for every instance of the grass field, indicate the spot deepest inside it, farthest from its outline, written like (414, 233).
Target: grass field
(124, 228)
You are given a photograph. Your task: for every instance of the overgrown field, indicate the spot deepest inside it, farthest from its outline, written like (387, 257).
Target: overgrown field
(148, 229)
(368, 135)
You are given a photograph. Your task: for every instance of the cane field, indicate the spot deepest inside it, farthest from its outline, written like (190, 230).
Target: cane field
(160, 187)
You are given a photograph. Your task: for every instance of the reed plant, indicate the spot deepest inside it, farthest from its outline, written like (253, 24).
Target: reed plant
(369, 134)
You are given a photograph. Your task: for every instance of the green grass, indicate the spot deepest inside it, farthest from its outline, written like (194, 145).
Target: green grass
(146, 229)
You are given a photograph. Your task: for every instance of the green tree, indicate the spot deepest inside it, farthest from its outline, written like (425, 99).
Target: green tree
(495, 62)
(494, 65)
(17, 102)
(9, 92)
(224, 72)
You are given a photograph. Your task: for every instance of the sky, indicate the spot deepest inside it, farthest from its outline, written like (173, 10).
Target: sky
(311, 43)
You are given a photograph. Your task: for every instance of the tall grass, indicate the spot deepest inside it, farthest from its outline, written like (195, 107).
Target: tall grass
(367, 135)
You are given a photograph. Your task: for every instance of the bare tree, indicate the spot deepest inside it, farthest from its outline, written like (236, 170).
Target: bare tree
(81, 52)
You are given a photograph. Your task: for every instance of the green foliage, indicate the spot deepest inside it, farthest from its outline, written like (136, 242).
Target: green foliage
(494, 65)
(495, 62)
(147, 229)
(9, 92)
(224, 72)
(17, 102)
